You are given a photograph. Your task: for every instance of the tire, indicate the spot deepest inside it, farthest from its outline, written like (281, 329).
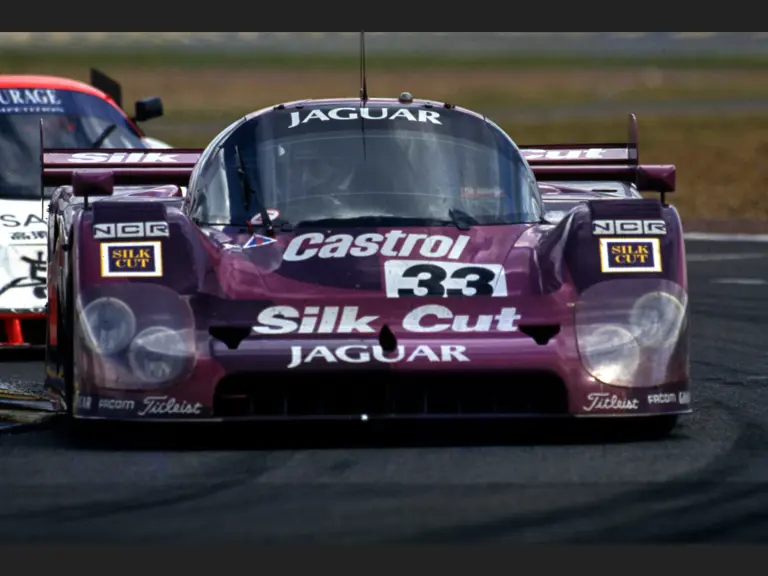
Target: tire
(651, 427)
(66, 337)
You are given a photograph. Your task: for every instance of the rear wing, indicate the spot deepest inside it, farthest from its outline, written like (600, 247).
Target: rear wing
(600, 162)
(127, 166)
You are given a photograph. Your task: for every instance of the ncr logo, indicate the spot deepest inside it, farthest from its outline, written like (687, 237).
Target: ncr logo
(131, 230)
(629, 227)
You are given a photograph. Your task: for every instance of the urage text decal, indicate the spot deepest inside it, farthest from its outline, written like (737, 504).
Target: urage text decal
(131, 259)
(630, 255)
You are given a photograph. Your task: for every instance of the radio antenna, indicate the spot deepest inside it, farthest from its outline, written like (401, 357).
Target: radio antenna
(363, 80)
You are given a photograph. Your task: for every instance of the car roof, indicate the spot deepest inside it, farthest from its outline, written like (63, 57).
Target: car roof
(50, 82)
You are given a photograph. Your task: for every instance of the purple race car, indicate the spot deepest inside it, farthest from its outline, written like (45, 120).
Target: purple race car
(363, 259)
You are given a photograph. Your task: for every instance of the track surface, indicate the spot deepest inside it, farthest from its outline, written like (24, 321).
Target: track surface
(707, 482)
(617, 43)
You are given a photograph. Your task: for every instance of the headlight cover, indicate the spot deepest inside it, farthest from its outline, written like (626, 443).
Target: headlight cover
(610, 354)
(159, 355)
(633, 333)
(109, 324)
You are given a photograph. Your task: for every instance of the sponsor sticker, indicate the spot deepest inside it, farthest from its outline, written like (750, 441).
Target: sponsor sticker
(663, 398)
(575, 154)
(605, 402)
(624, 255)
(30, 100)
(684, 397)
(16, 220)
(629, 227)
(123, 158)
(257, 240)
(354, 113)
(116, 404)
(84, 402)
(406, 278)
(393, 244)
(430, 318)
(168, 406)
(131, 259)
(131, 230)
(361, 354)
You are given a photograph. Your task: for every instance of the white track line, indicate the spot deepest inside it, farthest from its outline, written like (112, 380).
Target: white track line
(721, 257)
(741, 281)
(705, 236)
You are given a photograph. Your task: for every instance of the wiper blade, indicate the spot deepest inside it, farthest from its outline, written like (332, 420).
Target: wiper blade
(367, 221)
(103, 136)
(461, 219)
(249, 191)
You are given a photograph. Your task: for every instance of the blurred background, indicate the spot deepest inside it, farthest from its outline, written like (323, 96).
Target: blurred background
(701, 97)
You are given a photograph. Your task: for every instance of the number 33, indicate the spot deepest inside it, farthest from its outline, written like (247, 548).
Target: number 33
(428, 279)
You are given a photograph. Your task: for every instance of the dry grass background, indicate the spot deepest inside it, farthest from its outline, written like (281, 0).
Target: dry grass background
(722, 173)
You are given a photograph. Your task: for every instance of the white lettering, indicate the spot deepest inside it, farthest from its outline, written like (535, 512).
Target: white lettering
(575, 154)
(394, 243)
(361, 354)
(29, 96)
(684, 398)
(121, 158)
(131, 230)
(430, 318)
(288, 320)
(427, 319)
(166, 406)
(424, 116)
(629, 227)
(116, 404)
(662, 398)
(599, 401)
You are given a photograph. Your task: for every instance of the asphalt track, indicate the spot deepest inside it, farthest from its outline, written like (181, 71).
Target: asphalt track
(705, 483)
(617, 43)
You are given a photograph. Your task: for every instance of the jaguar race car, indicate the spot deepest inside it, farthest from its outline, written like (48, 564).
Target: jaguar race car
(74, 115)
(363, 259)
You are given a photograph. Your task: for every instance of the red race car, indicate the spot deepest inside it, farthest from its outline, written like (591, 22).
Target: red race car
(72, 115)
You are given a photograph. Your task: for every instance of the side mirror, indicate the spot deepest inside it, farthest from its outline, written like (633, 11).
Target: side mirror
(148, 108)
(87, 183)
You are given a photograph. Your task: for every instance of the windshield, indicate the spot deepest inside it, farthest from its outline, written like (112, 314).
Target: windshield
(70, 120)
(372, 165)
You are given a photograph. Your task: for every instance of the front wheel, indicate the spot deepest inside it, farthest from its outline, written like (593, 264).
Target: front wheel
(649, 427)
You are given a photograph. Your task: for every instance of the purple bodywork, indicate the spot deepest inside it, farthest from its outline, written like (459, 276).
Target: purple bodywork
(317, 323)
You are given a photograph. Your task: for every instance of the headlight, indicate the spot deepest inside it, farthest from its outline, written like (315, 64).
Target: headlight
(656, 319)
(158, 355)
(109, 325)
(610, 354)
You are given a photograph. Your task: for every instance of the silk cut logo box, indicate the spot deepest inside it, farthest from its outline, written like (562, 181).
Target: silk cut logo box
(131, 259)
(626, 255)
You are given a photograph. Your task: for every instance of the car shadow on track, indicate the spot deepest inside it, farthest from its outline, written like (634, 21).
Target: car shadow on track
(297, 436)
